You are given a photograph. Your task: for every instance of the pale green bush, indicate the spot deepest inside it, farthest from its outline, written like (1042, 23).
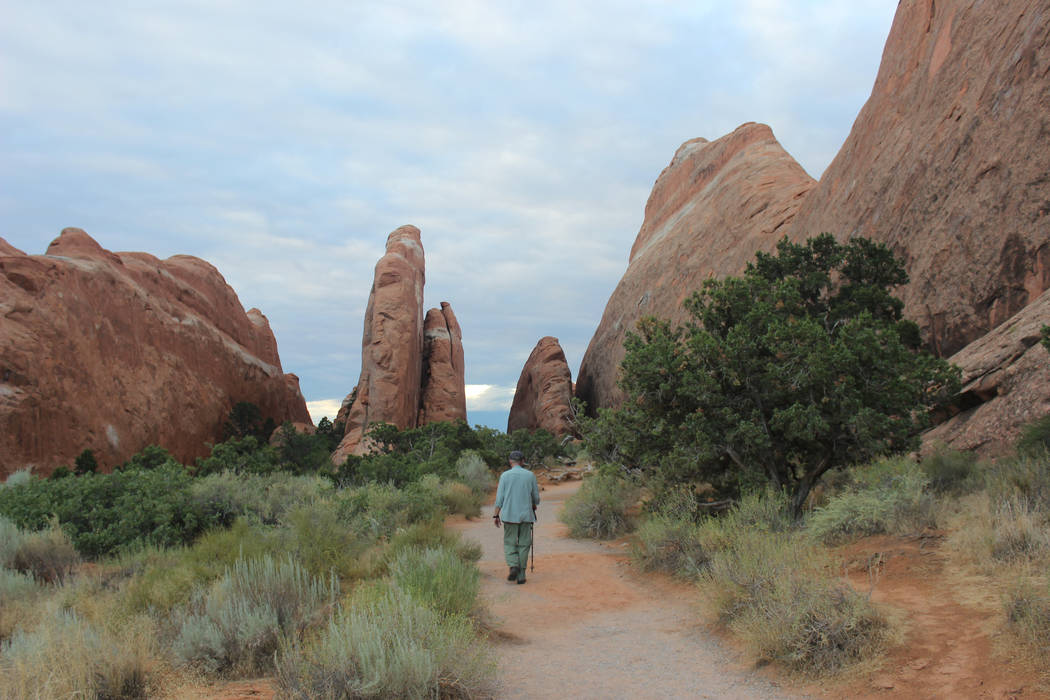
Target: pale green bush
(239, 621)
(600, 509)
(891, 499)
(15, 585)
(266, 498)
(673, 545)
(473, 472)
(386, 644)
(437, 577)
(19, 478)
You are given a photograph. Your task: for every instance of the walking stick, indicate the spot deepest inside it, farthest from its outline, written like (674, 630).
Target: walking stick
(532, 545)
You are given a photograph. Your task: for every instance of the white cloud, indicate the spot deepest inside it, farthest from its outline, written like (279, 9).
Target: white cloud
(323, 407)
(487, 397)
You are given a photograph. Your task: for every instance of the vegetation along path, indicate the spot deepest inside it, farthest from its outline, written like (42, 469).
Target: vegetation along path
(587, 626)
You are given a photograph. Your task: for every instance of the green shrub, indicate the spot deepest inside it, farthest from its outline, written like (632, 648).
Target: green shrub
(47, 555)
(774, 591)
(85, 463)
(472, 471)
(378, 510)
(1035, 438)
(437, 577)
(767, 510)
(104, 513)
(1028, 616)
(431, 534)
(600, 508)
(239, 621)
(150, 457)
(321, 542)
(890, 497)
(951, 471)
(69, 657)
(225, 496)
(385, 644)
(240, 455)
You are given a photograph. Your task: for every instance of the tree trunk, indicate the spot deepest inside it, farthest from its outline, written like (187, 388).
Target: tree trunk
(805, 485)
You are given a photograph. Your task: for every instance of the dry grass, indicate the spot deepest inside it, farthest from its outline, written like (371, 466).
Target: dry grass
(67, 653)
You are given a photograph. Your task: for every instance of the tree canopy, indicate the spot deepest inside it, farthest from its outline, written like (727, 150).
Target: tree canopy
(801, 365)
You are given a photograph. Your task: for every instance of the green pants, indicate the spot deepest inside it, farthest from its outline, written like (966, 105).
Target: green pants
(517, 540)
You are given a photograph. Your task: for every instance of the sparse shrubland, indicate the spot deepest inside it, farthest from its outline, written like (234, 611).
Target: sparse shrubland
(241, 561)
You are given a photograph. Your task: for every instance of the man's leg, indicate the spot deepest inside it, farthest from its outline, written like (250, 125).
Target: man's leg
(524, 546)
(510, 543)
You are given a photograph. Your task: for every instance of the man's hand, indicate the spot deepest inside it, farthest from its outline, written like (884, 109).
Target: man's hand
(495, 520)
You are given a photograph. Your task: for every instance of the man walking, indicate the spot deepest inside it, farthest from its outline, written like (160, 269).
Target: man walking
(517, 496)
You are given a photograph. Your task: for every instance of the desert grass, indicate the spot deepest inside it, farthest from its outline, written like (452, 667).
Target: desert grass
(76, 645)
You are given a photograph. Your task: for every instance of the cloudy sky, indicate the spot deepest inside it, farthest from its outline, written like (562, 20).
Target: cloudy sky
(283, 142)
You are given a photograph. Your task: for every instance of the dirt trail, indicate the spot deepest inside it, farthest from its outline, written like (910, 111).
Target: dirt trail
(586, 626)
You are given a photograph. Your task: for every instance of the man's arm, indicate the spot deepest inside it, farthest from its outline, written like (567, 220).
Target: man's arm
(499, 502)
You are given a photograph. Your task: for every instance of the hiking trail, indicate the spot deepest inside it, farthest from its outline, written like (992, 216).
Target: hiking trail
(586, 625)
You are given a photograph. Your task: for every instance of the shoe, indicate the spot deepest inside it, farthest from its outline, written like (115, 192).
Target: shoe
(521, 581)
(513, 573)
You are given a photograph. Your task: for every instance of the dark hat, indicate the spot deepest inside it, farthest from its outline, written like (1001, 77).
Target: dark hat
(516, 456)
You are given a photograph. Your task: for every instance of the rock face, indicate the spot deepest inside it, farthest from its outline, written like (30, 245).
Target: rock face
(412, 370)
(116, 351)
(444, 389)
(392, 344)
(541, 400)
(1006, 384)
(949, 164)
(711, 210)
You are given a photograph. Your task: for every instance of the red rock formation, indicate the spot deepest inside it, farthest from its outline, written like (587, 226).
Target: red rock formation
(444, 391)
(711, 210)
(114, 352)
(1006, 384)
(948, 163)
(392, 345)
(541, 400)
